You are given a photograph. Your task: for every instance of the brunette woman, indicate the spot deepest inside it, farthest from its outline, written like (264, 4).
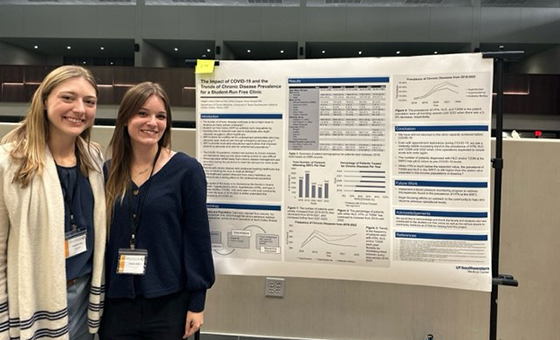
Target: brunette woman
(159, 260)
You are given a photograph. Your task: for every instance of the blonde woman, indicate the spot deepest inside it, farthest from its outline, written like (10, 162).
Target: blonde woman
(159, 259)
(52, 214)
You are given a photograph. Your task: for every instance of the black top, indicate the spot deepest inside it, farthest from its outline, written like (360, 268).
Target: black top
(173, 227)
(78, 201)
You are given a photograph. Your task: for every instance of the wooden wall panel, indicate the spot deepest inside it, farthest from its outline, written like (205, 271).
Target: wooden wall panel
(113, 81)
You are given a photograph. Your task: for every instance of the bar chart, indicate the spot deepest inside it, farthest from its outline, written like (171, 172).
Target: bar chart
(363, 181)
(312, 189)
(305, 185)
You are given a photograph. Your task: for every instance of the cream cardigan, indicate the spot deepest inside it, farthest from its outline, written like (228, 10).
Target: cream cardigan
(33, 301)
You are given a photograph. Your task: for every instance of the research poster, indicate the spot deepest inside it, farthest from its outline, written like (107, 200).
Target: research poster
(372, 169)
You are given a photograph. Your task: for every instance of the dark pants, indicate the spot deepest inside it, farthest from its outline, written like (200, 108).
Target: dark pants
(161, 318)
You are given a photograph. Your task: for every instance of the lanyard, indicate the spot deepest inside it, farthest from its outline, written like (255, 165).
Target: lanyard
(135, 217)
(69, 197)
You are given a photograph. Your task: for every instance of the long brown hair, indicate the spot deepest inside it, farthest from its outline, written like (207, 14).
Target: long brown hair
(120, 145)
(29, 139)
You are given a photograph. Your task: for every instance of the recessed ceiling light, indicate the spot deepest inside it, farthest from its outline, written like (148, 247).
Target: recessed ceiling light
(102, 48)
(360, 52)
(435, 52)
(35, 47)
(84, 62)
(281, 51)
(111, 63)
(248, 51)
(208, 50)
(176, 49)
(68, 47)
(204, 56)
(398, 52)
(323, 51)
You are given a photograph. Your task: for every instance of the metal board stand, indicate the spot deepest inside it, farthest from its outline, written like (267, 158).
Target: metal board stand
(498, 279)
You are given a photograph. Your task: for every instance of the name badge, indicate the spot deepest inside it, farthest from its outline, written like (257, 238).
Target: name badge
(75, 243)
(132, 262)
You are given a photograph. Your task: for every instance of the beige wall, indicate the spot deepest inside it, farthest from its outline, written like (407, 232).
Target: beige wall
(336, 309)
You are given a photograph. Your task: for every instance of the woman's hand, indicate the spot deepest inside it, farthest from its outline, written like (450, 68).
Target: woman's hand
(194, 322)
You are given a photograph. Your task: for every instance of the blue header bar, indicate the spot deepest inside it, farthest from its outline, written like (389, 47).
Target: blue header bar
(441, 128)
(428, 236)
(441, 213)
(338, 80)
(441, 184)
(243, 206)
(241, 116)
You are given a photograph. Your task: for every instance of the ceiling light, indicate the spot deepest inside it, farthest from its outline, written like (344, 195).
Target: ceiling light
(360, 52)
(248, 51)
(68, 47)
(208, 50)
(281, 51)
(398, 52)
(35, 47)
(203, 56)
(323, 51)
(176, 49)
(435, 52)
(102, 48)
(84, 63)
(111, 63)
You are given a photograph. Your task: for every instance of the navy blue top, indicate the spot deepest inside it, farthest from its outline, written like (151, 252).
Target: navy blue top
(173, 228)
(81, 197)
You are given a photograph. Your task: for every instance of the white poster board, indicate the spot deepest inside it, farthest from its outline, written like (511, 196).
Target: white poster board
(370, 169)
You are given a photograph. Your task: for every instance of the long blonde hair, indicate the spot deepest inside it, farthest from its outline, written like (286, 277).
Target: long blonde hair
(121, 148)
(29, 139)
